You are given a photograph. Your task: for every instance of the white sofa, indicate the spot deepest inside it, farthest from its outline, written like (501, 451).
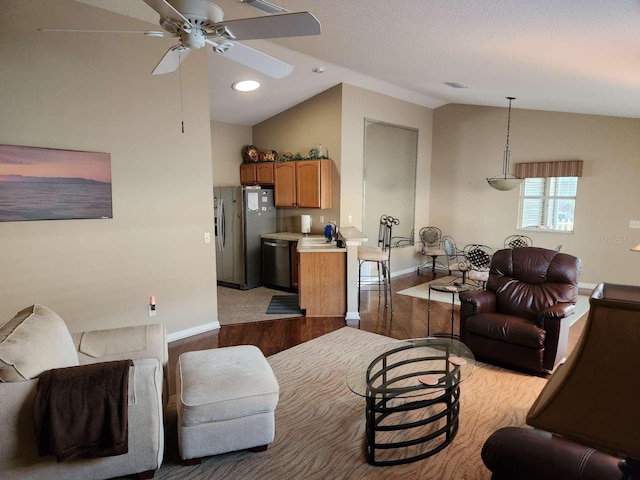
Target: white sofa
(37, 340)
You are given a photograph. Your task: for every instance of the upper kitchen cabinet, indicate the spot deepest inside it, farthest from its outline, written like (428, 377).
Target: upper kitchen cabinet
(261, 173)
(304, 183)
(314, 183)
(285, 184)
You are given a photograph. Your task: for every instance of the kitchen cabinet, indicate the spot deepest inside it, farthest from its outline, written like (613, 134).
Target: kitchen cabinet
(322, 285)
(261, 173)
(285, 184)
(304, 183)
(293, 250)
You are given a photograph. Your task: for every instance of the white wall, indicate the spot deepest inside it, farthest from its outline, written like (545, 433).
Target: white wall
(94, 92)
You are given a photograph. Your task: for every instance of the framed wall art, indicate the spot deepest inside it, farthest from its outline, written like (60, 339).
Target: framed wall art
(50, 184)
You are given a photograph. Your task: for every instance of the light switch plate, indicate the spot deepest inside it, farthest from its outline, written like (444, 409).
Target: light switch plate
(634, 223)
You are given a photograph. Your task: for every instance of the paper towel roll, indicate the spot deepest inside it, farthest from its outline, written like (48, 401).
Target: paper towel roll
(305, 223)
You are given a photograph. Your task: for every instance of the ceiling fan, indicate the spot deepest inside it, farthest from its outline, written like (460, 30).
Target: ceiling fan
(198, 23)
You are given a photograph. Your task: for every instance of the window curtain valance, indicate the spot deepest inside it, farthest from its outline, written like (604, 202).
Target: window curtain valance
(566, 168)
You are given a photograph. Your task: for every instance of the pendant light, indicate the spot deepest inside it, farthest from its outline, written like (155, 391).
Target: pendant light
(506, 181)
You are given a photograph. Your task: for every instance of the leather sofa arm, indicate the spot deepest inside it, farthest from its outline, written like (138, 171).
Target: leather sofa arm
(473, 302)
(515, 453)
(557, 311)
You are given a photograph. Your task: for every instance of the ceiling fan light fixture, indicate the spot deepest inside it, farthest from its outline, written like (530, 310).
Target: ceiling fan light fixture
(265, 7)
(506, 181)
(246, 85)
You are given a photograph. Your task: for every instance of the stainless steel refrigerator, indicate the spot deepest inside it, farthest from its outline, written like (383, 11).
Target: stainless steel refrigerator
(241, 214)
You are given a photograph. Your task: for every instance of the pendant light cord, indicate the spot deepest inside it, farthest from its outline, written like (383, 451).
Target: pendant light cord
(507, 153)
(509, 120)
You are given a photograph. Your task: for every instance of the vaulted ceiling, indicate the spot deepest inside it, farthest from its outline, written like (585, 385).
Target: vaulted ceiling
(578, 56)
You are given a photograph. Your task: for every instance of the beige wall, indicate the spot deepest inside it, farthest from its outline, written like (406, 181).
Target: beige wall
(298, 130)
(358, 104)
(468, 145)
(94, 92)
(335, 118)
(227, 141)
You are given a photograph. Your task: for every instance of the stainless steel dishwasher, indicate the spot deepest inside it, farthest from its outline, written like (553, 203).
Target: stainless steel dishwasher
(276, 261)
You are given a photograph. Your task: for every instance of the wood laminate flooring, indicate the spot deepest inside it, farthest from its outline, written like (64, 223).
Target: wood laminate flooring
(409, 320)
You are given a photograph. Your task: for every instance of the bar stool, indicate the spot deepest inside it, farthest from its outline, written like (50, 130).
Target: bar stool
(381, 256)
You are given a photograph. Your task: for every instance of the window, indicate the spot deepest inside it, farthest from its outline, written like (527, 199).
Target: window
(548, 204)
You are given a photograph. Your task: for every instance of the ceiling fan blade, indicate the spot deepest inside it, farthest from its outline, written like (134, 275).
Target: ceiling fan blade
(171, 60)
(149, 33)
(166, 10)
(252, 58)
(273, 26)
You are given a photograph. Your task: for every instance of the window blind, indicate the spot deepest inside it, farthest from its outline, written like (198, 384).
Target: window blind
(565, 168)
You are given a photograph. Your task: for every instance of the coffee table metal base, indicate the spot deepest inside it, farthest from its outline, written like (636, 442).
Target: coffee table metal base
(378, 410)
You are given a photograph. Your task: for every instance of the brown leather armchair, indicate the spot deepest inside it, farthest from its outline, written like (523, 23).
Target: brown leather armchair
(520, 320)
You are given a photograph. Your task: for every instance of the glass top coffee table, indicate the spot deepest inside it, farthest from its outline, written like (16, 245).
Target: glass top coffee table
(412, 393)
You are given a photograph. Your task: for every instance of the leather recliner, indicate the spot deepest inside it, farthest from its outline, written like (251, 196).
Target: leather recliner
(520, 320)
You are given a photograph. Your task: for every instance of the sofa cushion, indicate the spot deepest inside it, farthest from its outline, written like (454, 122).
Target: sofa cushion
(33, 341)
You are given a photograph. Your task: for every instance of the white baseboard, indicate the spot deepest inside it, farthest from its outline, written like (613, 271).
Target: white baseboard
(589, 286)
(582, 285)
(404, 272)
(189, 332)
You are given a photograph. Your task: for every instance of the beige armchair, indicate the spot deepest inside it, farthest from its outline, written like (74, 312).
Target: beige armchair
(37, 340)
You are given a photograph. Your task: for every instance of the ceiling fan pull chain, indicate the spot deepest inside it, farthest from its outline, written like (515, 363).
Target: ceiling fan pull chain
(181, 99)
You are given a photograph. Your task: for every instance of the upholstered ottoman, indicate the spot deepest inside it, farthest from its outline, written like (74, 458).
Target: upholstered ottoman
(225, 398)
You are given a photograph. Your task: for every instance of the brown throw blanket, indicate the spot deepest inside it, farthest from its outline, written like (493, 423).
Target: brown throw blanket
(83, 411)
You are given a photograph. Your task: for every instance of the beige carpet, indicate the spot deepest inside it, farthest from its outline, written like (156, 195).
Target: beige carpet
(422, 291)
(242, 306)
(320, 423)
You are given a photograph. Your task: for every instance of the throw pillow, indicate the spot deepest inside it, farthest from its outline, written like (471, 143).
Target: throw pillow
(33, 341)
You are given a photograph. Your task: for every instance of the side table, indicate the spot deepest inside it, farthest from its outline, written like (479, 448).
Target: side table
(446, 288)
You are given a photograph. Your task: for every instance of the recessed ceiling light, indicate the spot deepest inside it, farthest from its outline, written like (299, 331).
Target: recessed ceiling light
(246, 85)
(456, 84)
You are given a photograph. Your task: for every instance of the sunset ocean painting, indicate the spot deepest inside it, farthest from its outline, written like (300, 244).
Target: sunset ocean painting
(49, 184)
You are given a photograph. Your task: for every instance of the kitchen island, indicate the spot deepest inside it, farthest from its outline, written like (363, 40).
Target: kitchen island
(322, 281)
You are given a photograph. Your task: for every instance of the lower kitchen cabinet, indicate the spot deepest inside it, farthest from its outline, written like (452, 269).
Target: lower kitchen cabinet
(322, 285)
(295, 268)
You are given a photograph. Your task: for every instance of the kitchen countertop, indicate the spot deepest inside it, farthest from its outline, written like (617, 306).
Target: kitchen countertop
(291, 236)
(318, 244)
